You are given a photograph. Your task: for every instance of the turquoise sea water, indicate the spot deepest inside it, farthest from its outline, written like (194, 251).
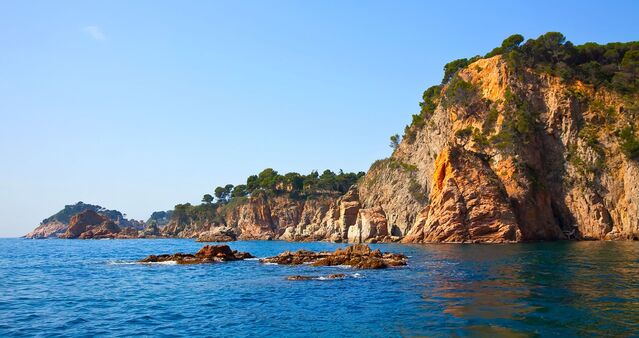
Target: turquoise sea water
(93, 288)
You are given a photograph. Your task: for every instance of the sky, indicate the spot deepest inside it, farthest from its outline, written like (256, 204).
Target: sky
(140, 105)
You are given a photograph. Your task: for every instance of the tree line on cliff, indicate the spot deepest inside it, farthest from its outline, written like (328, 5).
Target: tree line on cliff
(267, 183)
(613, 66)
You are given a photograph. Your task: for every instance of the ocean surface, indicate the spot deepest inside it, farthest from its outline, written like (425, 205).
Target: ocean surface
(66, 288)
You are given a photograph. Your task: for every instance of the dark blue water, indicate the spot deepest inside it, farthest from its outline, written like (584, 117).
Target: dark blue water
(86, 288)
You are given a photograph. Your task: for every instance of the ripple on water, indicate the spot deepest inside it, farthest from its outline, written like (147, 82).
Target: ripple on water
(72, 288)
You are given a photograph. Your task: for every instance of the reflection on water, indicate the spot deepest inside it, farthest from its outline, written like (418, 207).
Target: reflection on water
(582, 288)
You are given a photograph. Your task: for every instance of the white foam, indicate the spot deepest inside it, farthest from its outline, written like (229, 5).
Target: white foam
(121, 263)
(344, 266)
(163, 263)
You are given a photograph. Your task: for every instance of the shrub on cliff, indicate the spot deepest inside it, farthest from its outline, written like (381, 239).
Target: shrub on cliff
(629, 142)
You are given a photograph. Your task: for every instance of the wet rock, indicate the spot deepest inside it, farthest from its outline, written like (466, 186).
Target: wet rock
(301, 277)
(331, 276)
(358, 256)
(208, 254)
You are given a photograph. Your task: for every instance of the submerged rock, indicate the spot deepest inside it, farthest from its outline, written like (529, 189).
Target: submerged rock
(359, 256)
(331, 276)
(208, 254)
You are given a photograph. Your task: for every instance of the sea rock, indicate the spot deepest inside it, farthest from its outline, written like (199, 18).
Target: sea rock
(358, 256)
(207, 254)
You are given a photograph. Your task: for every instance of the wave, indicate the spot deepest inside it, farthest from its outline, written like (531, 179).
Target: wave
(355, 275)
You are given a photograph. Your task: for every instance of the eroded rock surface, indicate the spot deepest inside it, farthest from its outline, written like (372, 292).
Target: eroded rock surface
(467, 203)
(218, 234)
(208, 254)
(358, 256)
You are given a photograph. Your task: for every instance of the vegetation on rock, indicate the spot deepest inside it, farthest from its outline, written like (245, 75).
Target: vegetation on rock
(267, 183)
(64, 215)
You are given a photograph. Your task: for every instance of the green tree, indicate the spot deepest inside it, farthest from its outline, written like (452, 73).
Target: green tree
(451, 68)
(220, 193)
(207, 198)
(395, 139)
(227, 191)
(311, 180)
(268, 179)
(295, 181)
(252, 183)
(240, 190)
(509, 44)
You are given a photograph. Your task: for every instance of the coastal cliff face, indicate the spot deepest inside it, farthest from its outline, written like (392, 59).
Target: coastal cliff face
(502, 151)
(262, 217)
(564, 175)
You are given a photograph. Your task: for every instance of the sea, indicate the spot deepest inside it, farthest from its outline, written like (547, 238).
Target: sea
(95, 288)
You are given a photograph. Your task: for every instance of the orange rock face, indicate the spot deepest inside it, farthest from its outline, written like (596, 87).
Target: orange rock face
(82, 222)
(468, 203)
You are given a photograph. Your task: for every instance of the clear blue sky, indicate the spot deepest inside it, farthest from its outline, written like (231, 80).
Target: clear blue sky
(139, 105)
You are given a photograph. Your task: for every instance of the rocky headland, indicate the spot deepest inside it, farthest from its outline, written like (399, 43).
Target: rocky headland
(536, 140)
(88, 221)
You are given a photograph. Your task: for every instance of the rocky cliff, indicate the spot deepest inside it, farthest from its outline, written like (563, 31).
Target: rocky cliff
(512, 155)
(503, 151)
(531, 142)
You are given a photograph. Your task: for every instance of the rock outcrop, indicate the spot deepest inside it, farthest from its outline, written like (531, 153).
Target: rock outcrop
(72, 222)
(91, 225)
(218, 234)
(358, 256)
(48, 229)
(467, 203)
(207, 254)
(371, 226)
(517, 156)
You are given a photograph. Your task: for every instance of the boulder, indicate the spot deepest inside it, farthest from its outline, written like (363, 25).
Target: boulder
(218, 234)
